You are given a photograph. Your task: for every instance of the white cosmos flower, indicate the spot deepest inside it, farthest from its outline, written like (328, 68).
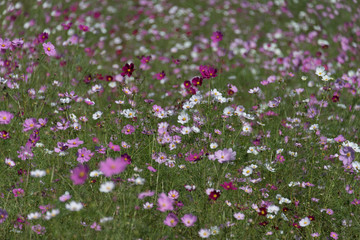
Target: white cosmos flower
(304, 222)
(52, 213)
(356, 166)
(213, 145)
(107, 187)
(38, 173)
(95, 173)
(228, 111)
(74, 206)
(97, 115)
(247, 171)
(35, 215)
(183, 118)
(320, 71)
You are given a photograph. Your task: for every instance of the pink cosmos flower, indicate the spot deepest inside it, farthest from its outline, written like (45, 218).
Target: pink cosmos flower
(171, 220)
(334, 235)
(165, 203)
(111, 167)
(5, 117)
(84, 155)
(79, 174)
(49, 49)
(188, 220)
(146, 194)
(114, 147)
(30, 124)
(65, 197)
(225, 155)
(18, 192)
(128, 129)
(74, 142)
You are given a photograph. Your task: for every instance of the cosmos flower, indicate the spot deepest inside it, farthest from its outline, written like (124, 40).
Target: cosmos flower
(128, 69)
(49, 49)
(171, 220)
(84, 155)
(107, 187)
(3, 215)
(74, 206)
(204, 233)
(5, 117)
(165, 203)
(112, 166)
(217, 36)
(79, 174)
(189, 220)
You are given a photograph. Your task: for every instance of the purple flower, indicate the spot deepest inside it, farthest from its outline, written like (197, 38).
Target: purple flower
(3, 215)
(43, 37)
(188, 220)
(165, 203)
(74, 142)
(30, 124)
(79, 174)
(5, 117)
(40, 230)
(25, 153)
(347, 155)
(61, 147)
(217, 36)
(84, 155)
(111, 167)
(49, 49)
(171, 220)
(146, 194)
(128, 129)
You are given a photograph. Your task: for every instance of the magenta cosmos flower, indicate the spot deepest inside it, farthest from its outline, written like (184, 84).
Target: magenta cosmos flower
(111, 167)
(207, 71)
(165, 203)
(49, 49)
(5, 117)
(188, 220)
(217, 36)
(79, 174)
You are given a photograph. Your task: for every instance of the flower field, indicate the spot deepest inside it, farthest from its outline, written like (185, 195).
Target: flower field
(164, 119)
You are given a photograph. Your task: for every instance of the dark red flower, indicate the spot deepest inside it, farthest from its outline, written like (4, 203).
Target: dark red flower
(83, 28)
(263, 223)
(262, 211)
(197, 81)
(191, 91)
(4, 134)
(128, 69)
(187, 84)
(109, 78)
(43, 37)
(296, 225)
(87, 79)
(335, 98)
(312, 218)
(285, 209)
(214, 195)
(125, 157)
